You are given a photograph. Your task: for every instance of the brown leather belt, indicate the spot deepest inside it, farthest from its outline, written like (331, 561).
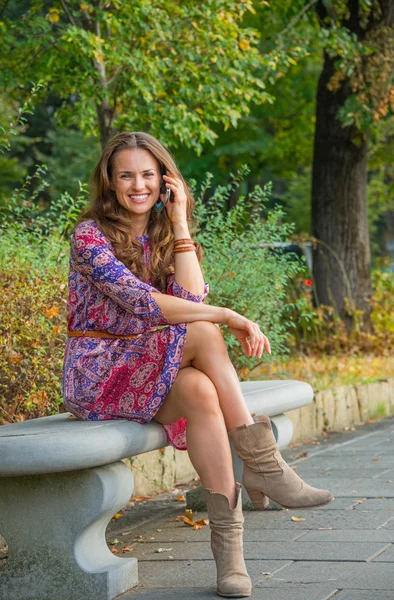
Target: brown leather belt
(112, 336)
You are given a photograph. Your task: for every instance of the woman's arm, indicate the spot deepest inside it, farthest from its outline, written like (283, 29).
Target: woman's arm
(178, 310)
(187, 268)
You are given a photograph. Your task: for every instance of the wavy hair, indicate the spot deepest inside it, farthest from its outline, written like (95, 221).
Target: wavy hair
(113, 220)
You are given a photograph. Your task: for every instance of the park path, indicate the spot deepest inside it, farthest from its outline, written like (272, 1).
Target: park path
(343, 551)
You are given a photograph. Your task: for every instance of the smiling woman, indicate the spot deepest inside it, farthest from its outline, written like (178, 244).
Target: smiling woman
(142, 343)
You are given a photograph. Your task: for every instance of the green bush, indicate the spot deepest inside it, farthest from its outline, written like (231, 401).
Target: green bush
(241, 266)
(33, 288)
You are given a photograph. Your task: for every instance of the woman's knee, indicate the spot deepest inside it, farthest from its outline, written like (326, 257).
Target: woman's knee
(200, 395)
(205, 334)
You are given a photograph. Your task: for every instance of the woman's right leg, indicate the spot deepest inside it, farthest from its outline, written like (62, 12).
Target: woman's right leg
(194, 396)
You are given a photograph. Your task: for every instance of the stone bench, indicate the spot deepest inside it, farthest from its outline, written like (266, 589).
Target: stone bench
(61, 482)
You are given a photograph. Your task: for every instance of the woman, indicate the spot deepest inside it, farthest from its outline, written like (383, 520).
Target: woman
(143, 345)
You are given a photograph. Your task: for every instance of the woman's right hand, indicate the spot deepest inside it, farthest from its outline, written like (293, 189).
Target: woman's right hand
(247, 332)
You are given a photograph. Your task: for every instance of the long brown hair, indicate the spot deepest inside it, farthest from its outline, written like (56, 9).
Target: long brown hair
(113, 220)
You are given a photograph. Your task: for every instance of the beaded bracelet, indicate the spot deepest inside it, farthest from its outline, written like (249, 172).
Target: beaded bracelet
(185, 249)
(183, 241)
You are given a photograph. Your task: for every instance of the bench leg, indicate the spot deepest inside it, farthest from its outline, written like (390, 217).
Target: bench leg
(55, 525)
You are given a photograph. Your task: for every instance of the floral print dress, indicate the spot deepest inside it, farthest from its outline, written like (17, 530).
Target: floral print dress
(106, 378)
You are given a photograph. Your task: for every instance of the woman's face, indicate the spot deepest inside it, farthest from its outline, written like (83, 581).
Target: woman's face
(136, 179)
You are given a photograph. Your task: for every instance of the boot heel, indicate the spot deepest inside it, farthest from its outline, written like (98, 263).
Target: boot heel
(259, 500)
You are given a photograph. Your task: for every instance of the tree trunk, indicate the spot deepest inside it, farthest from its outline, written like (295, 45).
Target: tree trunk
(341, 259)
(105, 116)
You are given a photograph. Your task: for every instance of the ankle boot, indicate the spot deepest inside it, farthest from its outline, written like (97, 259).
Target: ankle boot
(226, 526)
(265, 473)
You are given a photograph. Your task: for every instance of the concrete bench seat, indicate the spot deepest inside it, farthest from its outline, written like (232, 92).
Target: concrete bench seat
(62, 480)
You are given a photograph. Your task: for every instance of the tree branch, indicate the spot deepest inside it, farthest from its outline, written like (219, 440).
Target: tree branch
(69, 15)
(297, 17)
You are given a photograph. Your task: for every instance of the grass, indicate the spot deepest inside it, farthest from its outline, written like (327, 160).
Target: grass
(326, 371)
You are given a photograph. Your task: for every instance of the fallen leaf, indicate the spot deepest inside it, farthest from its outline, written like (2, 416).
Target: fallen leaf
(113, 542)
(127, 548)
(180, 499)
(163, 550)
(375, 459)
(115, 550)
(303, 455)
(297, 519)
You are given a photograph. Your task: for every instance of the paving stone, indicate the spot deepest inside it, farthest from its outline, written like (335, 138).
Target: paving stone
(318, 592)
(187, 534)
(343, 551)
(179, 574)
(347, 535)
(364, 595)
(316, 519)
(354, 487)
(375, 504)
(364, 576)
(386, 556)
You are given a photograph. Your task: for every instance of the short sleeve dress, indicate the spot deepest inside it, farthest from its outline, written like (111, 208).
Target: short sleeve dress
(115, 378)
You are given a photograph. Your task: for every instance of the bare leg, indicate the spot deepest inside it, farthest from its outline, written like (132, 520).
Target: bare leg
(206, 350)
(194, 396)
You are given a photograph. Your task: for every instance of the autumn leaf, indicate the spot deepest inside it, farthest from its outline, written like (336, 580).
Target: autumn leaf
(50, 312)
(180, 499)
(187, 519)
(297, 519)
(302, 455)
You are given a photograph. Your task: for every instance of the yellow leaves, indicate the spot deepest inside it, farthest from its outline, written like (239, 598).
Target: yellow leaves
(14, 357)
(84, 6)
(188, 520)
(297, 519)
(244, 373)
(40, 399)
(50, 312)
(244, 45)
(53, 15)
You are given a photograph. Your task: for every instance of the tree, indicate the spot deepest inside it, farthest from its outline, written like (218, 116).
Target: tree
(354, 92)
(173, 69)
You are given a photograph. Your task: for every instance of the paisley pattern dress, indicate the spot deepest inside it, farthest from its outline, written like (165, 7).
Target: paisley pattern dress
(119, 378)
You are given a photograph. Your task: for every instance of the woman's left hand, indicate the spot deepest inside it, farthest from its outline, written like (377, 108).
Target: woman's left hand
(176, 210)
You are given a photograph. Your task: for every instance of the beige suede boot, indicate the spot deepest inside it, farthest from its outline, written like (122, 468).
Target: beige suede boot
(226, 526)
(266, 475)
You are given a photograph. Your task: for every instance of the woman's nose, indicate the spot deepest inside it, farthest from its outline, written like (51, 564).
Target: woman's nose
(138, 183)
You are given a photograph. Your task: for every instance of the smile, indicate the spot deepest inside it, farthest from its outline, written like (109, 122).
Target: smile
(138, 198)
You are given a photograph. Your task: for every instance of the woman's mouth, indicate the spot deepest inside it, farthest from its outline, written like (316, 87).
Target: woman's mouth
(138, 198)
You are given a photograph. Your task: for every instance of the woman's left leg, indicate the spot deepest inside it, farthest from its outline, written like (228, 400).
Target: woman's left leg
(266, 474)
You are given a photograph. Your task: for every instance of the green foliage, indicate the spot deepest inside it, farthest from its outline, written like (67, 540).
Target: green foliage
(244, 272)
(33, 287)
(320, 330)
(175, 69)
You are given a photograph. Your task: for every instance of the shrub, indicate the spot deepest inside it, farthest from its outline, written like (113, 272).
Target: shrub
(243, 271)
(33, 288)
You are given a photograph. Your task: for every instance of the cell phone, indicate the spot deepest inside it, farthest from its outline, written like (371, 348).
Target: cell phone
(163, 189)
